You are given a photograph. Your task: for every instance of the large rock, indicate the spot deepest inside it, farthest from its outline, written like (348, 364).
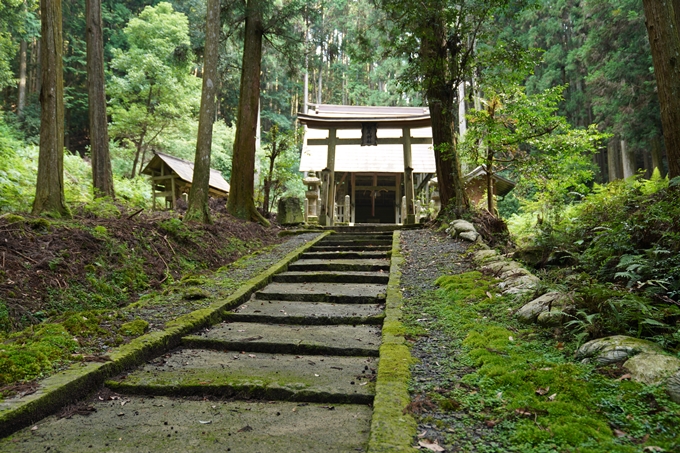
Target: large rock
(461, 226)
(651, 368)
(604, 351)
(470, 236)
(530, 311)
(673, 387)
(519, 285)
(290, 211)
(485, 255)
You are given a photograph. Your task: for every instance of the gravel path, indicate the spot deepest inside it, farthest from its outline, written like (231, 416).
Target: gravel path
(429, 255)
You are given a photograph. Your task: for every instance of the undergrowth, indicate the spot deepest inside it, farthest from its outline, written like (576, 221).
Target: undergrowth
(619, 250)
(521, 387)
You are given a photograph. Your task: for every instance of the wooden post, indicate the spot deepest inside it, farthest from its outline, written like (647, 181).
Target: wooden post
(172, 190)
(354, 198)
(330, 165)
(410, 217)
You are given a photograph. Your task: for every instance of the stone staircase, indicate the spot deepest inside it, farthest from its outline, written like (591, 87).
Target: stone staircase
(306, 345)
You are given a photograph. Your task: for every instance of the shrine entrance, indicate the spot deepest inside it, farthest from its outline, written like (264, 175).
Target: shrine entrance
(376, 199)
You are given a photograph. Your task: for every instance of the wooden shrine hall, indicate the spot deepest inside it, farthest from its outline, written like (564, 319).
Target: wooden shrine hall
(364, 164)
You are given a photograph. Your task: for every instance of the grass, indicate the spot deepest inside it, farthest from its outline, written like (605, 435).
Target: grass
(525, 386)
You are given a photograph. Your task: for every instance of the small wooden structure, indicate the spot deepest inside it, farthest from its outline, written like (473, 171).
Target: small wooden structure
(370, 159)
(475, 185)
(172, 176)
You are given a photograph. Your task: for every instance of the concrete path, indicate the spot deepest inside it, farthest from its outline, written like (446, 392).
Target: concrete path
(291, 370)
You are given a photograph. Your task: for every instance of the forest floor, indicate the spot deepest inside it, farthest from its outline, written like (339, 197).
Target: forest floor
(481, 382)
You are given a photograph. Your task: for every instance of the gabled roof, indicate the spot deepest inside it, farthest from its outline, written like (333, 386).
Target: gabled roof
(356, 158)
(502, 186)
(185, 170)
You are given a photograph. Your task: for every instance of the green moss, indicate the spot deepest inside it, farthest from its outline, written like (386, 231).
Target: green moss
(134, 328)
(545, 401)
(195, 294)
(84, 324)
(13, 218)
(34, 352)
(102, 208)
(40, 223)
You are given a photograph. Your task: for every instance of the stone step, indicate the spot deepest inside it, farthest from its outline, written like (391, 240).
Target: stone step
(340, 265)
(282, 377)
(306, 313)
(333, 277)
(343, 254)
(342, 340)
(190, 425)
(339, 293)
(367, 248)
(355, 242)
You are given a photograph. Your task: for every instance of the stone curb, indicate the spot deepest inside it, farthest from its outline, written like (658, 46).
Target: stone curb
(392, 430)
(80, 379)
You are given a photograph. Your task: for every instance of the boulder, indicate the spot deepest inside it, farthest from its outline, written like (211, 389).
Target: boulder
(485, 255)
(470, 236)
(614, 349)
(519, 285)
(530, 311)
(290, 211)
(533, 256)
(651, 368)
(461, 226)
(673, 387)
(499, 267)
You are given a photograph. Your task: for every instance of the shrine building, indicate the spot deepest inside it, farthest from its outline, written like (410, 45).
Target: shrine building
(367, 164)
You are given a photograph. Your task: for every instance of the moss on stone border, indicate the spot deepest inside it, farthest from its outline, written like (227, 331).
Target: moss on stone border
(392, 429)
(80, 379)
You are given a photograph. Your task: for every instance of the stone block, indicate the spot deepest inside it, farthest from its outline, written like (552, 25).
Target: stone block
(290, 211)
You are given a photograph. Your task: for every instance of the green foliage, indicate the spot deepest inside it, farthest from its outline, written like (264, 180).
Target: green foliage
(102, 208)
(151, 87)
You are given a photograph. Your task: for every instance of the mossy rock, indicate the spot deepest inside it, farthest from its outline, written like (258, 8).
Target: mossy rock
(13, 218)
(195, 294)
(134, 328)
(40, 223)
(616, 348)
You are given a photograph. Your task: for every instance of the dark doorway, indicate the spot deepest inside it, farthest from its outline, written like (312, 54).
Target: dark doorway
(375, 198)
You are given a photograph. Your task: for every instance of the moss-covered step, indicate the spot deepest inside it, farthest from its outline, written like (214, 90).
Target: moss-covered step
(282, 377)
(344, 254)
(164, 424)
(306, 313)
(340, 265)
(340, 293)
(345, 340)
(381, 277)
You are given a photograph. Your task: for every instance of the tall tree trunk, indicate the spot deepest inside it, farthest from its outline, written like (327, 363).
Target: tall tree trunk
(628, 160)
(241, 203)
(662, 20)
(198, 195)
(657, 159)
(612, 160)
(102, 175)
(440, 99)
(21, 94)
(49, 192)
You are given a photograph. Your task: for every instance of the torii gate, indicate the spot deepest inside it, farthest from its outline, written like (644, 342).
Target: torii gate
(369, 120)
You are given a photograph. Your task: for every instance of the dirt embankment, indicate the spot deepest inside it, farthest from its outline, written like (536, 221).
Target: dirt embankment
(51, 266)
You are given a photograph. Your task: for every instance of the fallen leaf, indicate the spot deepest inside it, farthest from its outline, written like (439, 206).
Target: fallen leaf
(653, 448)
(619, 433)
(251, 356)
(552, 397)
(523, 413)
(625, 377)
(491, 423)
(560, 345)
(542, 391)
(206, 422)
(510, 338)
(432, 446)
(34, 428)
(421, 435)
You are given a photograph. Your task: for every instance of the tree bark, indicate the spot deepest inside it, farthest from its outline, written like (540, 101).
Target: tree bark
(241, 203)
(612, 160)
(440, 98)
(657, 159)
(49, 193)
(663, 20)
(198, 209)
(628, 160)
(102, 175)
(21, 94)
